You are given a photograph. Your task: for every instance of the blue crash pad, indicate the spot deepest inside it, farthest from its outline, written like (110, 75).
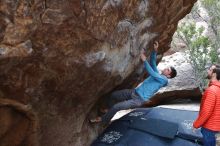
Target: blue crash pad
(131, 129)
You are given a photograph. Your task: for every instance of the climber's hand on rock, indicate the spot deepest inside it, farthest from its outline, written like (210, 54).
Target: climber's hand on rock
(156, 46)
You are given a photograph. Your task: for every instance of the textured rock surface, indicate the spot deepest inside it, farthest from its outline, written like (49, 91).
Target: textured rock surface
(184, 85)
(58, 57)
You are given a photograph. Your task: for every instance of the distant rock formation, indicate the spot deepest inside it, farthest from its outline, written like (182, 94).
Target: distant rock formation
(58, 57)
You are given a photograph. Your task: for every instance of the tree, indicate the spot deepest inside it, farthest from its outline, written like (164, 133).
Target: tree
(198, 47)
(201, 47)
(212, 7)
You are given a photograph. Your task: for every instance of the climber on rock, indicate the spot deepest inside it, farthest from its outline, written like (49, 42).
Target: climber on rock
(133, 98)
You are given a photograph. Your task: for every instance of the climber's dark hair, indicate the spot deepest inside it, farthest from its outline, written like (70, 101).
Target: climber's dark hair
(173, 72)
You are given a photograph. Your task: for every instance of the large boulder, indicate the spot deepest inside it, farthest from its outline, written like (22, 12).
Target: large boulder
(58, 57)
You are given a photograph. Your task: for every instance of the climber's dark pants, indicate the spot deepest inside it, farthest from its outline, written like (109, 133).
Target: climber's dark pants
(126, 99)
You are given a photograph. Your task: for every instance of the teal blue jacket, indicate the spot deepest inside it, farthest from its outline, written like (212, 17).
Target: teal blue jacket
(155, 80)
